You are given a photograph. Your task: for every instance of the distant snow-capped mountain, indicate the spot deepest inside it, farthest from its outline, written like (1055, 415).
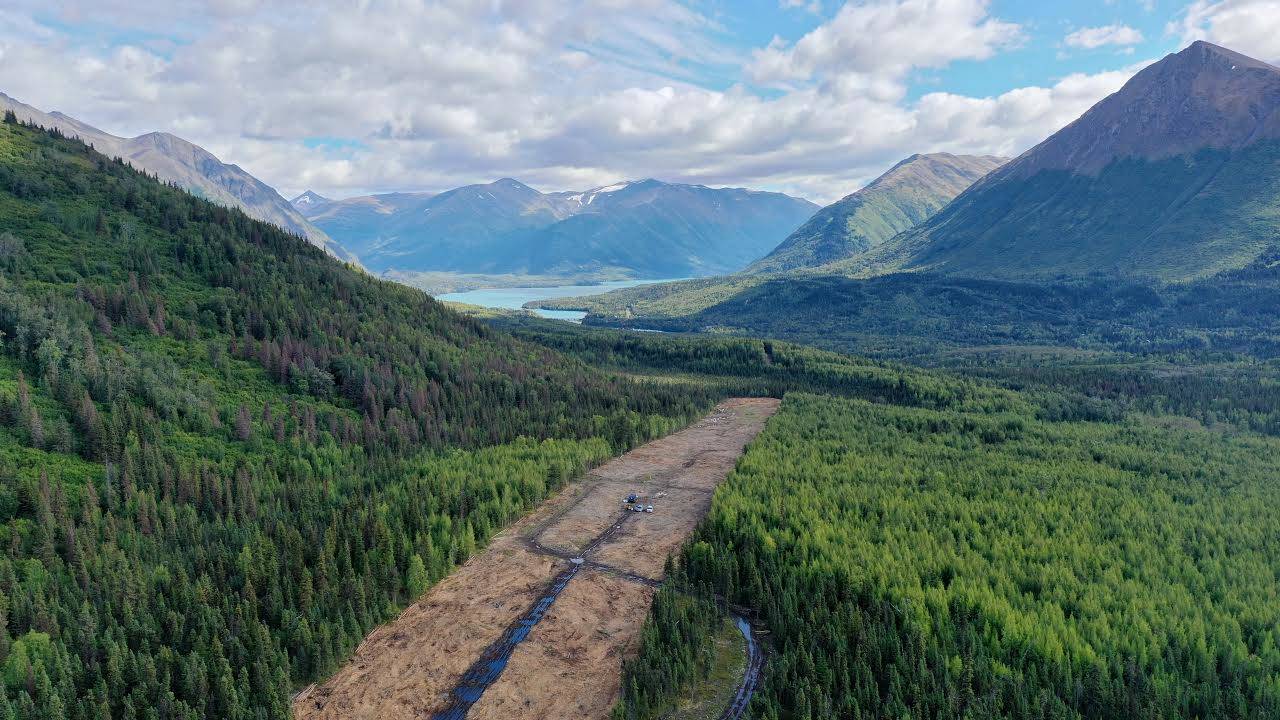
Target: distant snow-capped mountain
(642, 228)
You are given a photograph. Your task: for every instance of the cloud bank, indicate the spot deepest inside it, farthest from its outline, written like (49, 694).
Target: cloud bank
(1248, 26)
(348, 98)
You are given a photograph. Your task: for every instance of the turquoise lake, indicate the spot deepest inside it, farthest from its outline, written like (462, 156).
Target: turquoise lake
(514, 298)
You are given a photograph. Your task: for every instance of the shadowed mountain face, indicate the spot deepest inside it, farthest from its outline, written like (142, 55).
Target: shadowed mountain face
(188, 166)
(905, 196)
(642, 229)
(1173, 177)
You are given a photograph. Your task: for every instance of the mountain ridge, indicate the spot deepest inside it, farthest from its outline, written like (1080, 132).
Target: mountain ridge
(1220, 81)
(640, 228)
(1169, 179)
(902, 197)
(196, 170)
(309, 199)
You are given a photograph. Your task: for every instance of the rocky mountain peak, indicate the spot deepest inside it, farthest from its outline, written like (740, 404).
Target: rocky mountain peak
(1204, 96)
(309, 200)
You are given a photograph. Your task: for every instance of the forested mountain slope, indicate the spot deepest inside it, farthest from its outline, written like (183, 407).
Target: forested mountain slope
(905, 196)
(919, 314)
(225, 456)
(190, 166)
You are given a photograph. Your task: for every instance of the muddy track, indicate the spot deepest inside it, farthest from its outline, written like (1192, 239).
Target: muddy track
(486, 670)
(538, 624)
(751, 677)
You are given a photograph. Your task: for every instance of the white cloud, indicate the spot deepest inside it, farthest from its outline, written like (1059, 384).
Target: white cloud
(559, 94)
(811, 6)
(1011, 122)
(1251, 27)
(1095, 37)
(886, 37)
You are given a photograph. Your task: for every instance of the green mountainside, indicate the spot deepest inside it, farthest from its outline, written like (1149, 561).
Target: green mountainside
(225, 456)
(1165, 194)
(905, 196)
(1171, 178)
(191, 167)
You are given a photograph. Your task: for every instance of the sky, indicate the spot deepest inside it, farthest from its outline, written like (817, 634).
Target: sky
(808, 97)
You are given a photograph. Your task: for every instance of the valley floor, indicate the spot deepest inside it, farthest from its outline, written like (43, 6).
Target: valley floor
(569, 664)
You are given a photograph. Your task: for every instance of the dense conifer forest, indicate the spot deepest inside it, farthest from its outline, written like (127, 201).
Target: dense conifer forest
(959, 562)
(914, 315)
(224, 456)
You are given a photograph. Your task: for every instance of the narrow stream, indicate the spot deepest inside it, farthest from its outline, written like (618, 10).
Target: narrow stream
(755, 661)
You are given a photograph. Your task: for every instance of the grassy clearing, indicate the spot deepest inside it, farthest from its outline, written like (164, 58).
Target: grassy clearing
(706, 699)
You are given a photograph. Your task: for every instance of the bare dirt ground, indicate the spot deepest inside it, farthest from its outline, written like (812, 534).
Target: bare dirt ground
(573, 654)
(568, 666)
(406, 668)
(578, 524)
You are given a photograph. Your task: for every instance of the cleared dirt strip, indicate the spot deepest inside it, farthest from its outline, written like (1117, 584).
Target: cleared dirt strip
(567, 665)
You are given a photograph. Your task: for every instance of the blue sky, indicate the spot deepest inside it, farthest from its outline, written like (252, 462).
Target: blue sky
(810, 97)
(1040, 59)
(1044, 57)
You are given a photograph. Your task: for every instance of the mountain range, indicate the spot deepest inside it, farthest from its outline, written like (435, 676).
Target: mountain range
(187, 165)
(837, 235)
(227, 459)
(1160, 201)
(642, 229)
(1172, 178)
(908, 194)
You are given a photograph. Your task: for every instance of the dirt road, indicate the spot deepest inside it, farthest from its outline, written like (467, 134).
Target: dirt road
(566, 662)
